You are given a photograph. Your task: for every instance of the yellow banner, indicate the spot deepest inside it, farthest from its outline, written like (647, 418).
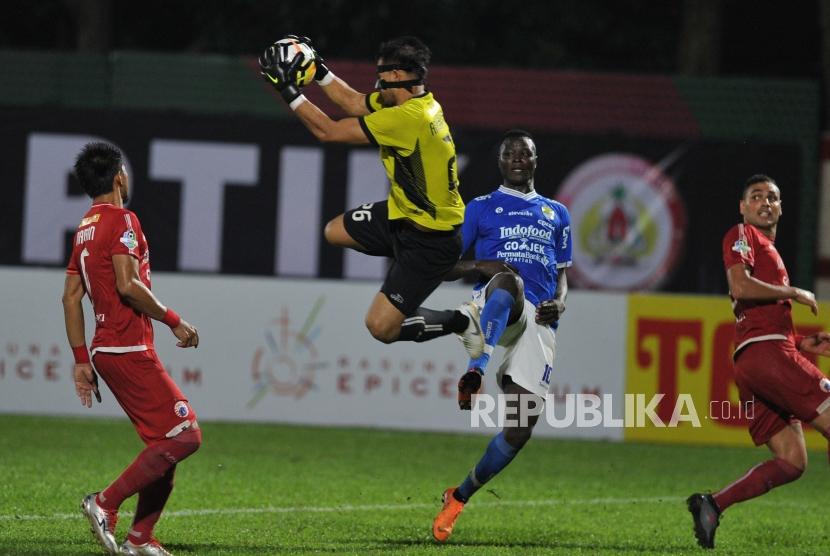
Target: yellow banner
(681, 346)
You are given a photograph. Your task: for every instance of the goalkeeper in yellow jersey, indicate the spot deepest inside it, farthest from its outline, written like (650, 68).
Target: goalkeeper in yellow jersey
(418, 225)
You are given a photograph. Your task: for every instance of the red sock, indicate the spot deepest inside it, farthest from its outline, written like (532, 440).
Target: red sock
(760, 479)
(150, 465)
(151, 501)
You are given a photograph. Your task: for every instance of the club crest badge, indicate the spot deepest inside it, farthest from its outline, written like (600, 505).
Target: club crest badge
(629, 222)
(181, 409)
(129, 240)
(742, 247)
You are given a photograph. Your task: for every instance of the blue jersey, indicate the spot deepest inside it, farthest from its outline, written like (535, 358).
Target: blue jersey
(527, 230)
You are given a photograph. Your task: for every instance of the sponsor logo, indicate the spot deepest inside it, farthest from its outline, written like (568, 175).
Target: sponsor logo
(286, 363)
(519, 213)
(519, 231)
(629, 222)
(824, 384)
(499, 210)
(741, 247)
(90, 220)
(129, 240)
(181, 409)
(397, 297)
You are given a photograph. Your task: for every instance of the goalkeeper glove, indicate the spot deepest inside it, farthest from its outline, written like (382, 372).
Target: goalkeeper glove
(281, 74)
(469, 384)
(323, 75)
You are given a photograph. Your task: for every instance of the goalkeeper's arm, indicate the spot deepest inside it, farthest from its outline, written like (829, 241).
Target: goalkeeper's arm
(350, 101)
(339, 92)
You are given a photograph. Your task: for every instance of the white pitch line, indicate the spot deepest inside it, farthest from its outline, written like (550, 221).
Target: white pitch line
(360, 508)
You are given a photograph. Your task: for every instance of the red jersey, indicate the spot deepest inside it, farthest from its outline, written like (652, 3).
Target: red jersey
(107, 230)
(758, 320)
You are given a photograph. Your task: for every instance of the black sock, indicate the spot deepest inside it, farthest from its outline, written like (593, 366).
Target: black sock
(427, 324)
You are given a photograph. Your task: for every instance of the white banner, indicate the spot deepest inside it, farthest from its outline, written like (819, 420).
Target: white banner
(295, 351)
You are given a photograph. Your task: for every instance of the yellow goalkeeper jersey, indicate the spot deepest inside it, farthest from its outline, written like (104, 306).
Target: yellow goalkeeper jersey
(418, 153)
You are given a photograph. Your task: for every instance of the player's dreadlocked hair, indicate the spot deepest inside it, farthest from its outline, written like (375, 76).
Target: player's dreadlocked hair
(96, 168)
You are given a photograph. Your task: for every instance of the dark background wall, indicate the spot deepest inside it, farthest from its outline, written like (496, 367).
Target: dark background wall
(736, 85)
(724, 37)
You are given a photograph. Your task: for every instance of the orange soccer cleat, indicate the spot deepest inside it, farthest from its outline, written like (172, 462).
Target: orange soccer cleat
(445, 520)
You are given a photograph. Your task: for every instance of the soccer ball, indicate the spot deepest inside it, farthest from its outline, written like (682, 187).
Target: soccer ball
(288, 49)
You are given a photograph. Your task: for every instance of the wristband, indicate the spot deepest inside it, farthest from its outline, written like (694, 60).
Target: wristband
(171, 319)
(294, 104)
(81, 354)
(326, 79)
(290, 93)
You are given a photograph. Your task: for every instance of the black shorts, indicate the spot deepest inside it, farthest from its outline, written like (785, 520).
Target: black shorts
(419, 259)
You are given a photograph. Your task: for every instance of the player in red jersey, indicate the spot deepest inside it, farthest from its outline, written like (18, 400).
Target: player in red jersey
(769, 366)
(110, 263)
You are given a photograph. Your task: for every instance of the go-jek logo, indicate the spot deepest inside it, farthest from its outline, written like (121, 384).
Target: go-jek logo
(519, 231)
(286, 363)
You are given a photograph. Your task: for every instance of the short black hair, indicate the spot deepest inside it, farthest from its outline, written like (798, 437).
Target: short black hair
(514, 133)
(409, 52)
(96, 168)
(756, 178)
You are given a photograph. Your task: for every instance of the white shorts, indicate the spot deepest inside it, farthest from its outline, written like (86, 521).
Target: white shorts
(529, 350)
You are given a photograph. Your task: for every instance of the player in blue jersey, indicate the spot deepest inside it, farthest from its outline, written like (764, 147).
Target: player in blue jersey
(522, 248)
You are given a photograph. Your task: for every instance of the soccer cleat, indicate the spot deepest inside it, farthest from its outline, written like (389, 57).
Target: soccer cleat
(472, 337)
(152, 548)
(102, 522)
(468, 385)
(706, 516)
(444, 522)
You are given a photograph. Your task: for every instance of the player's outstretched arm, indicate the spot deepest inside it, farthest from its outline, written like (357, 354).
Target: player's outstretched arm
(326, 130)
(86, 383)
(139, 297)
(279, 73)
(350, 101)
(339, 92)
(744, 286)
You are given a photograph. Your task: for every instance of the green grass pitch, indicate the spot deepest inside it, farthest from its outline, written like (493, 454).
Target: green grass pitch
(266, 489)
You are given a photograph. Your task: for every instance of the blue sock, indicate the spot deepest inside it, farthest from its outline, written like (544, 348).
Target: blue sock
(494, 318)
(498, 454)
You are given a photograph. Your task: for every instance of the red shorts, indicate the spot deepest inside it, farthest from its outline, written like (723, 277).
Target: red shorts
(784, 385)
(145, 391)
